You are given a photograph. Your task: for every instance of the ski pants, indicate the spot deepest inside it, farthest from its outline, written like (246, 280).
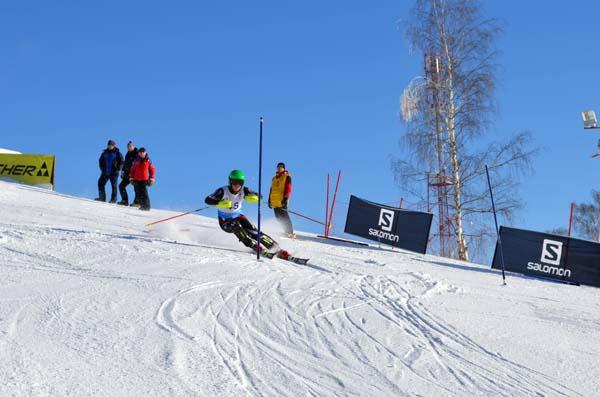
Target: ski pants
(141, 192)
(245, 231)
(113, 184)
(283, 217)
(123, 188)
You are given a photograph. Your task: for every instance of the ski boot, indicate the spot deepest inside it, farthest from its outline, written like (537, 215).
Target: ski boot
(283, 254)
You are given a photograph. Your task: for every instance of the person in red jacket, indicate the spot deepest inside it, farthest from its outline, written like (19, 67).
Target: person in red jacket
(141, 176)
(279, 195)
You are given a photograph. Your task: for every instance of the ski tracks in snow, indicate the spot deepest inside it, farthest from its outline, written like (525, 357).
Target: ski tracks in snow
(461, 361)
(93, 305)
(294, 331)
(313, 333)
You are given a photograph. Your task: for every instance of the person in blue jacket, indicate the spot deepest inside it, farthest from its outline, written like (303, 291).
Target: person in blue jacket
(110, 162)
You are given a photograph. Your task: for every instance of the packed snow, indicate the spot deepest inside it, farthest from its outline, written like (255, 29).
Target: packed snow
(8, 151)
(93, 302)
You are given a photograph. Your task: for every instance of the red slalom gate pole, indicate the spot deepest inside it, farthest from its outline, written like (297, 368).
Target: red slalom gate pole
(327, 210)
(571, 218)
(428, 208)
(401, 201)
(333, 202)
(176, 216)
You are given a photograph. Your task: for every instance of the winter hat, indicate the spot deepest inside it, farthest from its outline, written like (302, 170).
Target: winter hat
(281, 164)
(111, 142)
(130, 143)
(142, 149)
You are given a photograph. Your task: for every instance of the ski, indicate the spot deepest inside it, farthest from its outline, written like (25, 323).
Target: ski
(284, 255)
(299, 261)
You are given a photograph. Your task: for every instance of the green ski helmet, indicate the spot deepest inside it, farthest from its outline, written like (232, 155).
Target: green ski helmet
(238, 176)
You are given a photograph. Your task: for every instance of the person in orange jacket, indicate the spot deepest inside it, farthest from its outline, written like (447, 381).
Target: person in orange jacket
(141, 176)
(279, 196)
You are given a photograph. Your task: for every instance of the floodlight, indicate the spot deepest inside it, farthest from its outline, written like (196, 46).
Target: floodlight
(589, 119)
(597, 153)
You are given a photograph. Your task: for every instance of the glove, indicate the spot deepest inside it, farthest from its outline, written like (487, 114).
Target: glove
(225, 204)
(284, 203)
(251, 199)
(151, 182)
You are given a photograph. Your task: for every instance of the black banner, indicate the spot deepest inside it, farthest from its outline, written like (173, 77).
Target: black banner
(547, 255)
(388, 225)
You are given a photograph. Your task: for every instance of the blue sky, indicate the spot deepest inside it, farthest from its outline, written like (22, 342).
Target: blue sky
(189, 80)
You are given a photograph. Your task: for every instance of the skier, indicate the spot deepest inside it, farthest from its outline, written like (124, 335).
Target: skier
(229, 200)
(110, 163)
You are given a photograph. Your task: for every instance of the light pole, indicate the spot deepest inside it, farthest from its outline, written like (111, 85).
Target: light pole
(590, 122)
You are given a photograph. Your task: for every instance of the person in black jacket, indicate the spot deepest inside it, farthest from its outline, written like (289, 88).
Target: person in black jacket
(132, 154)
(110, 163)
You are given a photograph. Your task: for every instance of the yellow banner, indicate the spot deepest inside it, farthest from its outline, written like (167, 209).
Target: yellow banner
(32, 169)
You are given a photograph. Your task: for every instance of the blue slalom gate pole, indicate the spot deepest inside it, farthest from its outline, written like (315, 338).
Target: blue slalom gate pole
(496, 221)
(259, 186)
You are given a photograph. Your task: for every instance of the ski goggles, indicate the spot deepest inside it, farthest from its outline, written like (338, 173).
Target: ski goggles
(236, 182)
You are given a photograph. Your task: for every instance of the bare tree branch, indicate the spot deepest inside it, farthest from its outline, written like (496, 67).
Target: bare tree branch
(451, 109)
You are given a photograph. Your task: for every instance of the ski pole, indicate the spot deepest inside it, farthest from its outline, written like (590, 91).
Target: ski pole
(305, 217)
(302, 216)
(176, 216)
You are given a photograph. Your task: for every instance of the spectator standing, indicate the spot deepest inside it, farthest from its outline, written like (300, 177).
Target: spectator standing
(141, 176)
(110, 163)
(279, 196)
(130, 157)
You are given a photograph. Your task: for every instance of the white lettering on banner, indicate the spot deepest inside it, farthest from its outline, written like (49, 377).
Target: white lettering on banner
(548, 269)
(384, 235)
(386, 220)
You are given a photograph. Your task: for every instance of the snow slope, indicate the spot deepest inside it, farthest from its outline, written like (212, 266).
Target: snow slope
(8, 151)
(92, 303)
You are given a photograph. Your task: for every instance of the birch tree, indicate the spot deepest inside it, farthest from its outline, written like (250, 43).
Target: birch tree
(586, 220)
(448, 111)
